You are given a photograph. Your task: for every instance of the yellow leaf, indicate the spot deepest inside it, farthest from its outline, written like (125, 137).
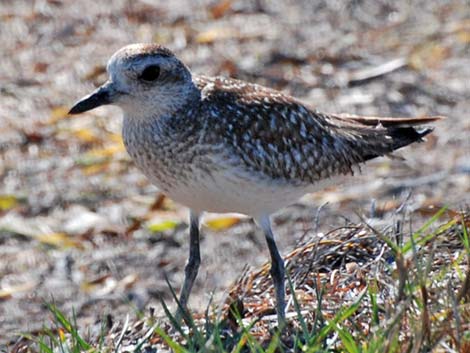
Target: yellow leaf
(115, 138)
(107, 151)
(94, 169)
(462, 31)
(163, 225)
(85, 135)
(221, 223)
(428, 55)
(7, 202)
(62, 334)
(60, 240)
(88, 287)
(58, 113)
(463, 36)
(100, 155)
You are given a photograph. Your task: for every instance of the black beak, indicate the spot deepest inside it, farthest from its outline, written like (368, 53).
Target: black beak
(102, 96)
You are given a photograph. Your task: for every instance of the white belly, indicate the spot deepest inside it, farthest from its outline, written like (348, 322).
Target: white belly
(233, 191)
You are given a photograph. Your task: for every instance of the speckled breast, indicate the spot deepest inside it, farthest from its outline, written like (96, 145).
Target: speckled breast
(164, 156)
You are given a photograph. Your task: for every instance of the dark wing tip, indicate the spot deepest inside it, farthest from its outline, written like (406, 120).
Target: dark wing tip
(424, 132)
(404, 135)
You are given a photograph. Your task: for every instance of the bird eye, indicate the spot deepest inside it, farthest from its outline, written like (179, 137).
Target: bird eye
(150, 73)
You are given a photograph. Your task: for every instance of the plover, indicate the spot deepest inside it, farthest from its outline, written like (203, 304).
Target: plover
(223, 145)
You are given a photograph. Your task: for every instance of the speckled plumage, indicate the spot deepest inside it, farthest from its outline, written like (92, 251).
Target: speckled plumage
(223, 145)
(261, 142)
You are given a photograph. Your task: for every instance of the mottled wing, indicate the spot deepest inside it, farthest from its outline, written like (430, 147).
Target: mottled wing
(278, 136)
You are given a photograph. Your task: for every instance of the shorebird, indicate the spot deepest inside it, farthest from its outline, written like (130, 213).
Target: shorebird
(224, 145)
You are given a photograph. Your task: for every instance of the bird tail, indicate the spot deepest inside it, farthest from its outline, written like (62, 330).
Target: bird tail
(388, 122)
(403, 136)
(382, 136)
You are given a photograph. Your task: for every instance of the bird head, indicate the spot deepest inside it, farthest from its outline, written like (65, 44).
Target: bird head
(145, 80)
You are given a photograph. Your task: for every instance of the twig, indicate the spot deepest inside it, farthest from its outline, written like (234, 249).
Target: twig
(317, 216)
(365, 75)
(121, 336)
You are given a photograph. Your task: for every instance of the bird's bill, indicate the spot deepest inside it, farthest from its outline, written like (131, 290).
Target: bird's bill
(105, 94)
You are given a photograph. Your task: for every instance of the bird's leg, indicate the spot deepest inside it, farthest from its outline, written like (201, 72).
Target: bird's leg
(277, 272)
(192, 266)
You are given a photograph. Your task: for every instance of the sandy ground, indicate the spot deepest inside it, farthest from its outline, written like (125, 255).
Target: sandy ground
(81, 226)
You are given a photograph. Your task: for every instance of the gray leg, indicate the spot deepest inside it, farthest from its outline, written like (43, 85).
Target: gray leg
(192, 266)
(277, 271)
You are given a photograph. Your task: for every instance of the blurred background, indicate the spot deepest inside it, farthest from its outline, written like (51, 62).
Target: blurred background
(81, 226)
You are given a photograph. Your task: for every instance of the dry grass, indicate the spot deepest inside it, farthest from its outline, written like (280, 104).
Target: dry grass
(357, 289)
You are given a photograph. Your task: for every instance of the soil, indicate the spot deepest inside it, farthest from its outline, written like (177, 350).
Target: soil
(81, 227)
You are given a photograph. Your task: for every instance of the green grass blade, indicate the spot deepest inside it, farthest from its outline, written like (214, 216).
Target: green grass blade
(241, 343)
(347, 339)
(144, 339)
(274, 345)
(175, 347)
(59, 317)
(297, 310)
(340, 317)
(465, 238)
(186, 316)
(375, 307)
(176, 325)
(43, 347)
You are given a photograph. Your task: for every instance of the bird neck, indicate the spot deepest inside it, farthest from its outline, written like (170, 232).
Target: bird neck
(167, 103)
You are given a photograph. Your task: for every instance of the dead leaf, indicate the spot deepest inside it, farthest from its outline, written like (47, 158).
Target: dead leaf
(95, 169)
(228, 68)
(215, 34)
(428, 55)
(221, 8)
(6, 293)
(95, 72)
(40, 67)
(98, 280)
(62, 335)
(140, 12)
(431, 206)
(81, 220)
(158, 203)
(107, 151)
(128, 281)
(58, 113)
(32, 137)
(135, 225)
(100, 155)
(7, 202)
(221, 222)
(117, 138)
(86, 135)
(463, 36)
(59, 240)
(101, 288)
(462, 31)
